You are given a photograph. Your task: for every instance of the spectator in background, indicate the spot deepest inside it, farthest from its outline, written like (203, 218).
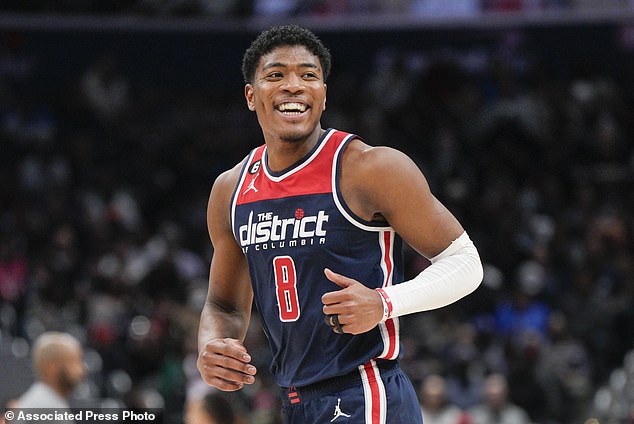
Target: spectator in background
(434, 405)
(524, 314)
(213, 408)
(13, 279)
(106, 89)
(564, 371)
(496, 408)
(464, 375)
(59, 367)
(445, 8)
(7, 404)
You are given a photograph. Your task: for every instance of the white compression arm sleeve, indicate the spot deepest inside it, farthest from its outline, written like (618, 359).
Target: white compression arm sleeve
(453, 274)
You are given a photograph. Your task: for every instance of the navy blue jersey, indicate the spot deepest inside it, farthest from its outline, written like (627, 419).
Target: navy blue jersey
(293, 224)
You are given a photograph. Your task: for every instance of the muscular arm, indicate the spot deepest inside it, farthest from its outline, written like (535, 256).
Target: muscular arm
(383, 182)
(223, 360)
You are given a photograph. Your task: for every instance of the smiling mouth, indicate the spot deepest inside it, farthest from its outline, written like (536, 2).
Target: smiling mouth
(292, 108)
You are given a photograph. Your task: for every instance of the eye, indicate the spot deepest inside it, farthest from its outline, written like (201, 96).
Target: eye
(276, 75)
(310, 75)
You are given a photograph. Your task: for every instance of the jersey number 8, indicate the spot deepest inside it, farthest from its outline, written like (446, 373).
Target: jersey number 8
(286, 288)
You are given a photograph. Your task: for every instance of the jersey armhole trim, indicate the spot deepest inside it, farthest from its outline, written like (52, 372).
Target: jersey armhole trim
(341, 204)
(236, 190)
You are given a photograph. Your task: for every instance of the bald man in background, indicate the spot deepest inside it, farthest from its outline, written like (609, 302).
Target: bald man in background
(59, 367)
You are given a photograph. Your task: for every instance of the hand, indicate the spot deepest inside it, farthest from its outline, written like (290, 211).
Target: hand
(224, 364)
(358, 307)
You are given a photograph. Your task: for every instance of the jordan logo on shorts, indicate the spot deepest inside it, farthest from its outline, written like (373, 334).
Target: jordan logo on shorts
(338, 411)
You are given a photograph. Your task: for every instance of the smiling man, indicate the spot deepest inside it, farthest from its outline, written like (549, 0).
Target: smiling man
(310, 226)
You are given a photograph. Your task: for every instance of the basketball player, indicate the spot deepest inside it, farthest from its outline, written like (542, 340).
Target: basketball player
(310, 226)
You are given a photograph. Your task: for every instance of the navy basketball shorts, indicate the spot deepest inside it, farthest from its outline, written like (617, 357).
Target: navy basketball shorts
(378, 392)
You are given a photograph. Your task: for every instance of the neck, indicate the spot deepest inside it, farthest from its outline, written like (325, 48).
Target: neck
(282, 153)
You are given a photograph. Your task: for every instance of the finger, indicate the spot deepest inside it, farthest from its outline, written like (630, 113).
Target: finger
(351, 325)
(223, 378)
(235, 349)
(336, 325)
(213, 359)
(337, 296)
(334, 322)
(226, 386)
(338, 329)
(332, 319)
(228, 374)
(229, 347)
(333, 308)
(338, 279)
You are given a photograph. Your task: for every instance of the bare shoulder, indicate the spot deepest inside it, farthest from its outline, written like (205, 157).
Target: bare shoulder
(362, 158)
(228, 179)
(218, 206)
(370, 172)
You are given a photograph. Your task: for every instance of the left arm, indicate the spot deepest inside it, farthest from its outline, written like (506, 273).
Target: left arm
(380, 181)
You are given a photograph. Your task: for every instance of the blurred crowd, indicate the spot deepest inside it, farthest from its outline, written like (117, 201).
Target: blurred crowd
(287, 8)
(103, 193)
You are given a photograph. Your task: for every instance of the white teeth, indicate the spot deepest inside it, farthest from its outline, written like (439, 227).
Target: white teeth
(292, 107)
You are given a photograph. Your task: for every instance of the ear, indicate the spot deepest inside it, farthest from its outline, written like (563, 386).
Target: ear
(248, 95)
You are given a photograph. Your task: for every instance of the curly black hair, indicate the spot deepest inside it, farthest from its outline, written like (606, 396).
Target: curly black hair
(284, 35)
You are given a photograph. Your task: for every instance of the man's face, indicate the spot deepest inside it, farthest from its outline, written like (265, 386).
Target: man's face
(71, 369)
(288, 93)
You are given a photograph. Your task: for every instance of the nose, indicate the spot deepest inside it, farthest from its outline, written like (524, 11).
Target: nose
(293, 83)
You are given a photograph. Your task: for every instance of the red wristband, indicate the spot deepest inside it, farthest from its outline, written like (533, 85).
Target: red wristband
(387, 304)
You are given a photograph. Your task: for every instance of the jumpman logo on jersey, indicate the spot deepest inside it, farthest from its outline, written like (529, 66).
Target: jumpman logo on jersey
(251, 185)
(339, 412)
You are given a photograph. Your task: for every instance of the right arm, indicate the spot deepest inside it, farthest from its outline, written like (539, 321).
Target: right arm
(223, 361)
